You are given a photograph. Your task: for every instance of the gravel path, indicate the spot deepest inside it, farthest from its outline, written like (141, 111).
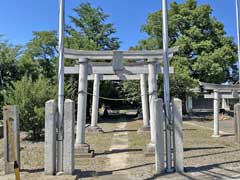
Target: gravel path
(118, 159)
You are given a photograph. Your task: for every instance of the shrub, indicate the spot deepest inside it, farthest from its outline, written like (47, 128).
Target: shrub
(31, 97)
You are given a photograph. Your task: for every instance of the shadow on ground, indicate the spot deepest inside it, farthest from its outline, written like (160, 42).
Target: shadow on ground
(88, 174)
(114, 151)
(32, 170)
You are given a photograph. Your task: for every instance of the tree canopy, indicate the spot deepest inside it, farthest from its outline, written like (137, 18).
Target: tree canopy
(90, 30)
(205, 52)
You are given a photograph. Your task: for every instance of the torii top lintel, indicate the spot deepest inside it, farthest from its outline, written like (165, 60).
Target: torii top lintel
(220, 87)
(109, 55)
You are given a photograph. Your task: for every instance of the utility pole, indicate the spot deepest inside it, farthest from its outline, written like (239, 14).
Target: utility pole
(60, 87)
(166, 86)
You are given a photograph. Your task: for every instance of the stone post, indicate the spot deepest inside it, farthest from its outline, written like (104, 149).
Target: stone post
(228, 104)
(95, 102)
(158, 120)
(152, 89)
(216, 114)
(50, 137)
(145, 108)
(237, 121)
(13, 114)
(225, 104)
(81, 145)
(68, 141)
(178, 135)
(189, 104)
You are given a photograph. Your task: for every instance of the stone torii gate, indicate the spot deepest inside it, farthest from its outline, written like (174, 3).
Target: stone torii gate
(219, 91)
(89, 68)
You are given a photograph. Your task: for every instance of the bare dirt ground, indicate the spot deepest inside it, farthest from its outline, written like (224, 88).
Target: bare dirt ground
(204, 157)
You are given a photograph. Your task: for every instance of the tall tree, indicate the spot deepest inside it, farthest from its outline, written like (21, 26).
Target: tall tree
(203, 45)
(205, 52)
(91, 30)
(40, 56)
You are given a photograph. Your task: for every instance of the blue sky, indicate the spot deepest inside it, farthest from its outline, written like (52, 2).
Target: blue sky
(18, 18)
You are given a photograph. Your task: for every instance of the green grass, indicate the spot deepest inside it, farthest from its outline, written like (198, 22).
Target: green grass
(137, 141)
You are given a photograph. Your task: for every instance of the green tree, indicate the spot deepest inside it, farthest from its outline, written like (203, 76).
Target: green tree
(30, 96)
(203, 45)
(40, 56)
(90, 29)
(205, 52)
(8, 63)
(8, 68)
(90, 32)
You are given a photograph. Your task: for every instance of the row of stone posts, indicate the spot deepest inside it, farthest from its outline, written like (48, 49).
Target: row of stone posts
(50, 137)
(177, 131)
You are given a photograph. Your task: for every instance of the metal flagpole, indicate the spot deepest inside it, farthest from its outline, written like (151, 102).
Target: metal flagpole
(238, 36)
(60, 87)
(166, 86)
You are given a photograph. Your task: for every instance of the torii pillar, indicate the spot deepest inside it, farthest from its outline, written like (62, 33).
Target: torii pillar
(95, 102)
(145, 107)
(153, 94)
(81, 146)
(216, 114)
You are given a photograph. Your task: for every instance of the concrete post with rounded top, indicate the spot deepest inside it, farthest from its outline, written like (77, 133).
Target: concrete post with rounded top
(178, 135)
(50, 137)
(13, 114)
(69, 136)
(145, 107)
(152, 89)
(95, 101)
(216, 114)
(81, 145)
(237, 122)
(158, 120)
(189, 104)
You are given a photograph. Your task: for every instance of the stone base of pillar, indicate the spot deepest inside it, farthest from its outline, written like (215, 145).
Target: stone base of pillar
(216, 136)
(150, 149)
(144, 129)
(83, 151)
(94, 129)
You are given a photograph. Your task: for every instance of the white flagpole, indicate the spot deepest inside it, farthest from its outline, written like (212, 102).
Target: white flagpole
(60, 87)
(238, 35)
(166, 86)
